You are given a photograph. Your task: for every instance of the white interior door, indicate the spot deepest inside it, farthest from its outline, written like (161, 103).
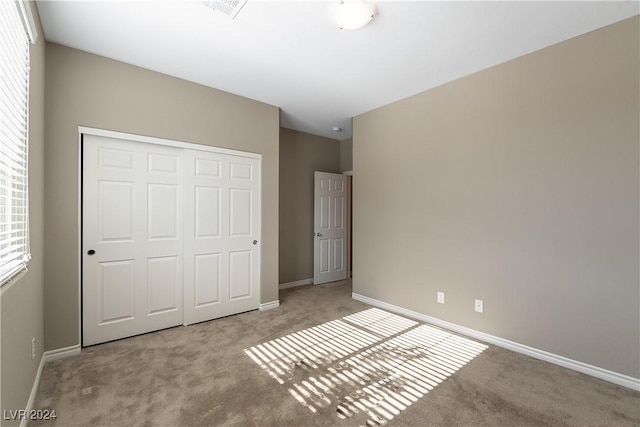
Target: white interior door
(330, 225)
(132, 238)
(222, 233)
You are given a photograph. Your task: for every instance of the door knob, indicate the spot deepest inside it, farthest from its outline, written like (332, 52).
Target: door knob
(319, 234)
(91, 252)
(255, 242)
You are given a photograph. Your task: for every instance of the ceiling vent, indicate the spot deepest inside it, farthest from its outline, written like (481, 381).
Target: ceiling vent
(228, 7)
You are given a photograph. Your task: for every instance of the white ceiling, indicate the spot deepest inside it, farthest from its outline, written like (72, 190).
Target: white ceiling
(291, 54)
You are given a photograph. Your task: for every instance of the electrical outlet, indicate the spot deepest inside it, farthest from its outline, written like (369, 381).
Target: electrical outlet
(479, 306)
(441, 297)
(33, 348)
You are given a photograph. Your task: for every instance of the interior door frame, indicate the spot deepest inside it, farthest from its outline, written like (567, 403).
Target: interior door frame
(84, 130)
(349, 220)
(346, 252)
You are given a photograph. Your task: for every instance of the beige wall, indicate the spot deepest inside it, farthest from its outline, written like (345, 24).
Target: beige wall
(22, 302)
(301, 154)
(88, 90)
(346, 155)
(517, 185)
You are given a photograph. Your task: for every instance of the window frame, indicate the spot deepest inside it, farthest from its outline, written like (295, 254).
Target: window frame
(19, 30)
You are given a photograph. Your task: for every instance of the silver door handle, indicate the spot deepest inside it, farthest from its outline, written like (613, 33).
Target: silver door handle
(255, 242)
(319, 234)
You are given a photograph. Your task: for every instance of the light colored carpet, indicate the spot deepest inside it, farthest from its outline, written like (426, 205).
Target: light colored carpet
(321, 359)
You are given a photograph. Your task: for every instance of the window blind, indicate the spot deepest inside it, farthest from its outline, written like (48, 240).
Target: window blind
(14, 128)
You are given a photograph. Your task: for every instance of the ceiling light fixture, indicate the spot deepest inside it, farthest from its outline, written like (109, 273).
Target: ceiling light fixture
(353, 14)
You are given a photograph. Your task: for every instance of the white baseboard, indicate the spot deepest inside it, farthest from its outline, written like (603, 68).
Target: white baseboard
(270, 305)
(60, 353)
(295, 284)
(47, 356)
(594, 371)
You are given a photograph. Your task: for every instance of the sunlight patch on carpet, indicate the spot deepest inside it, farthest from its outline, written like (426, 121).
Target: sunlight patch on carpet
(368, 366)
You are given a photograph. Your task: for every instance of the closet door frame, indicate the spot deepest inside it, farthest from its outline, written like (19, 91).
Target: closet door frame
(83, 130)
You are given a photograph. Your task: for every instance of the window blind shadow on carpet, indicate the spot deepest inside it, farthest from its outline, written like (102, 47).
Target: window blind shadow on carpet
(367, 367)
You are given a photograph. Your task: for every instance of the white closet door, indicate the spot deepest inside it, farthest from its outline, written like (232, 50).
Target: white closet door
(132, 238)
(222, 235)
